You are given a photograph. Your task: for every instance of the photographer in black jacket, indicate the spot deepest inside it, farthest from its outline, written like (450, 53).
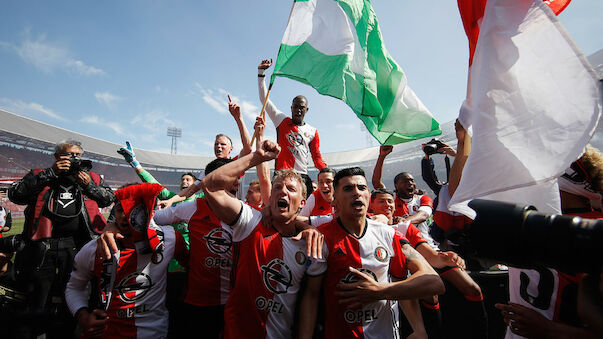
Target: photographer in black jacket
(62, 214)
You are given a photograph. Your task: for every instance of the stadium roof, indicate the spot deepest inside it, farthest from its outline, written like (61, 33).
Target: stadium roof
(50, 135)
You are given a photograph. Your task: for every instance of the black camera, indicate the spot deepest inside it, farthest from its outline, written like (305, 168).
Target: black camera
(521, 237)
(432, 146)
(78, 165)
(13, 243)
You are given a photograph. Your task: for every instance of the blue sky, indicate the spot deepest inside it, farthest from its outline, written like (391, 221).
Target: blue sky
(127, 70)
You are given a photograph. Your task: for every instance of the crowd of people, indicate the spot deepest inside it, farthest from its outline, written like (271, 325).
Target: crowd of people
(336, 259)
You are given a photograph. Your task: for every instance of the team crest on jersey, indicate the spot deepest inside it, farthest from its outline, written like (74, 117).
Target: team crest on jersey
(134, 287)
(351, 277)
(381, 254)
(294, 138)
(277, 276)
(300, 258)
(218, 240)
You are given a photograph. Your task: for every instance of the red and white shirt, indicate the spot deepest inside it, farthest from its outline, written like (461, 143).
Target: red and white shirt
(296, 141)
(316, 205)
(269, 271)
(377, 252)
(136, 305)
(210, 261)
(411, 232)
(445, 218)
(408, 207)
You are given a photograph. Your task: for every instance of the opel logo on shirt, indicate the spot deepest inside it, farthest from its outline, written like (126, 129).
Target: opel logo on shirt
(277, 276)
(295, 139)
(218, 240)
(133, 287)
(352, 278)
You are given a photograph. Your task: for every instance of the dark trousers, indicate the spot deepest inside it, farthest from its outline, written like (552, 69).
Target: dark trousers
(44, 269)
(203, 321)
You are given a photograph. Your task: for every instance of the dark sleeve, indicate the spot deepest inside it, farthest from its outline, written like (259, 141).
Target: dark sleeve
(429, 175)
(103, 195)
(9, 220)
(25, 191)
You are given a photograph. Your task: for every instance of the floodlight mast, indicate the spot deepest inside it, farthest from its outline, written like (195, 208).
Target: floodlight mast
(174, 133)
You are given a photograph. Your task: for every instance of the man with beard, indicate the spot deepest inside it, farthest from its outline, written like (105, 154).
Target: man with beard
(62, 214)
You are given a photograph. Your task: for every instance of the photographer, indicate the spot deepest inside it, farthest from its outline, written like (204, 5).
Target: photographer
(434, 146)
(62, 214)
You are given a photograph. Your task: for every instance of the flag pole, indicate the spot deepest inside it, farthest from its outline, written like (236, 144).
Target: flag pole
(262, 112)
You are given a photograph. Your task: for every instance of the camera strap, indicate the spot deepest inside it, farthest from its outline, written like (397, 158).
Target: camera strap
(447, 161)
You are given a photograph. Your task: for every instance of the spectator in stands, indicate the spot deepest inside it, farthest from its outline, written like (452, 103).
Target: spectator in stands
(296, 138)
(6, 221)
(62, 215)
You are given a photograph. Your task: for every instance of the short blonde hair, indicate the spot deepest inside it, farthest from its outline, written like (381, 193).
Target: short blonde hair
(593, 164)
(290, 174)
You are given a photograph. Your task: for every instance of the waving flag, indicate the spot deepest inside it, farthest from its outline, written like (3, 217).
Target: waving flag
(533, 104)
(336, 47)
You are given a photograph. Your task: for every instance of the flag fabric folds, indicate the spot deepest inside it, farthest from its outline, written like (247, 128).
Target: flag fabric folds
(533, 104)
(336, 47)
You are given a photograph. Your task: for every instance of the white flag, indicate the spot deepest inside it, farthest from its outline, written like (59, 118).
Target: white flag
(533, 104)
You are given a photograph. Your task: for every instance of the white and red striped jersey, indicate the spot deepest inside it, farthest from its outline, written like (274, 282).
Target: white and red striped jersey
(296, 141)
(408, 207)
(377, 252)
(269, 271)
(445, 218)
(316, 205)
(210, 261)
(136, 306)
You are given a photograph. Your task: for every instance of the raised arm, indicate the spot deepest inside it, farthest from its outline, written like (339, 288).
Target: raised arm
(235, 111)
(319, 163)
(275, 115)
(262, 169)
(378, 171)
(130, 157)
(217, 183)
(463, 149)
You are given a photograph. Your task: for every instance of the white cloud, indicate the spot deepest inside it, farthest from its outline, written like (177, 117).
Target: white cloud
(93, 119)
(27, 108)
(154, 121)
(218, 99)
(107, 98)
(48, 57)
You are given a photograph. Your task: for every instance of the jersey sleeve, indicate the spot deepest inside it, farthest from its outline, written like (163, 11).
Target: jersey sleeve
(76, 292)
(182, 212)
(414, 236)
(397, 264)
(308, 207)
(275, 115)
(148, 177)
(180, 249)
(315, 151)
(318, 266)
(246, 222)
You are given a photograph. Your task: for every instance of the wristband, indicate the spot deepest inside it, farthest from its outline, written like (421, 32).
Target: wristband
(261, 75)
